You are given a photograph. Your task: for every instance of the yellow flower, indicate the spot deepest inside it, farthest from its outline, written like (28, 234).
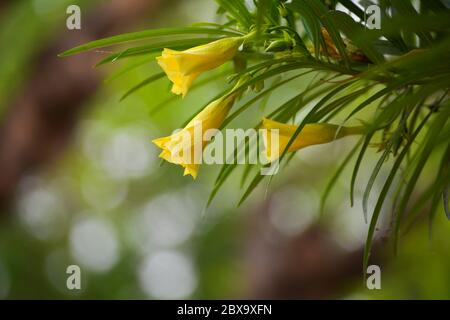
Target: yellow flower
(186, 146)
(182, 67)
(311, 134)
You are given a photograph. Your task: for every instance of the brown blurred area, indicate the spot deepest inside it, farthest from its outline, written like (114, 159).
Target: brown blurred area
(40, 120)
(310, 265)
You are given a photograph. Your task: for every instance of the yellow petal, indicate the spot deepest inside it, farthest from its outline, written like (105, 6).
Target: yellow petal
(311, 134)
(182, 67)
(174, 146)
(161, 141)
(181, 84)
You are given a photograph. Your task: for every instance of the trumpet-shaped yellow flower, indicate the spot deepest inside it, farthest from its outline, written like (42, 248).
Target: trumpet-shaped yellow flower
(311, 134)
(182, 67)
(186, 146)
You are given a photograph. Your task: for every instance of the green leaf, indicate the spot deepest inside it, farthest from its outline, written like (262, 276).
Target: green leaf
(199, 84)
(258, 97)
(353, 8)
(320, 12)
(141, 35)
(238, 10)
(177, 44)
(142, 84)
(129, 67)
(434, 190)
(310, 117)
(428, 147)
(445, 199)
(361, 154)
(353, 31)
(384, 192)
(311, 23)
(229, 168)
(336, 176)
(405, 8)
(253, 184)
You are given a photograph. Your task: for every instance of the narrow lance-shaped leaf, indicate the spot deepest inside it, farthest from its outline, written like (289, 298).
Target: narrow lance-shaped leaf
(384, 192)
(336, 176)
(142, 84)
(141, 35)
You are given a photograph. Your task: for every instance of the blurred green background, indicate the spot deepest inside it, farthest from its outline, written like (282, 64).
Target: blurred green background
(138, 229)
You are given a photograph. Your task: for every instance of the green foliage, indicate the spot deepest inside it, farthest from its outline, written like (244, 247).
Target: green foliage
(400, 75)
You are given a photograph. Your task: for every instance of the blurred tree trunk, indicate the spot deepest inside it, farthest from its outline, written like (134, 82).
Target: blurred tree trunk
(310, 265)
(41, 119)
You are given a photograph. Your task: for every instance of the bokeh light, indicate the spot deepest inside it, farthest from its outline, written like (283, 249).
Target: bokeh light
(168, 275)
(94, 244)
